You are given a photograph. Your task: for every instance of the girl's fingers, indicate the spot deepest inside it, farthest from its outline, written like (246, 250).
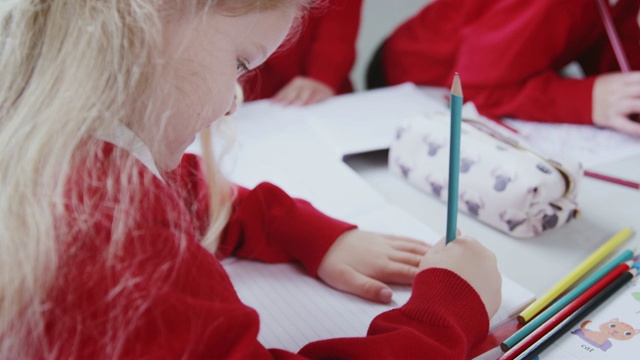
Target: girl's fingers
(348, 280)
(399, 273)
(406, 258)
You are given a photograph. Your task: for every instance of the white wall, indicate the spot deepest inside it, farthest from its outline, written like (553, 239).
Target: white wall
(379, 19)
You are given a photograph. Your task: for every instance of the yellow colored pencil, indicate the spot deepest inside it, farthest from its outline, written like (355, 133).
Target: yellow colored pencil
(589, 263)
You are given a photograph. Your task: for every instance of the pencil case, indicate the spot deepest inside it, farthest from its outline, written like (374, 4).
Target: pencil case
(503, 182)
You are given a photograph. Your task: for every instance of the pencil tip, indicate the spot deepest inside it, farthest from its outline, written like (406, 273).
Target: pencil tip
(456, 88)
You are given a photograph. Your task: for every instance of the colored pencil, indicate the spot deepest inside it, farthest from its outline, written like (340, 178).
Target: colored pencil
(614, 39)
(454, 158)
(584, 267)
(572, 320)
(560, 316)
(537, 321)
(612, 179)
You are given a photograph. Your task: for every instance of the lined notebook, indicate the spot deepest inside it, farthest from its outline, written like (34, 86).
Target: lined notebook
(296, 309)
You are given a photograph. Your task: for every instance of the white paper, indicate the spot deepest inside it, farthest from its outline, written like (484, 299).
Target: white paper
(296, 309)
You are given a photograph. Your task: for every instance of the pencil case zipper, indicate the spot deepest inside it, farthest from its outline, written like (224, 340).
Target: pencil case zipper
(569, 181)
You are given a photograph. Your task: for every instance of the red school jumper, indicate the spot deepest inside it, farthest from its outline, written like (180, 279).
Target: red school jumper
(324, 50)
(180, 303)
(509, 52)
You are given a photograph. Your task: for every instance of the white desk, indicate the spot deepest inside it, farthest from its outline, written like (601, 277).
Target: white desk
(301, 150)
(536, 263)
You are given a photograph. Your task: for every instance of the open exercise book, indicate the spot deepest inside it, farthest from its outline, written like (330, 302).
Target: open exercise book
(290, 148)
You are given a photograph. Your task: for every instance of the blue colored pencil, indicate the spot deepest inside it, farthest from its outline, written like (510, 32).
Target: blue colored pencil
(626, 255)
(454, 158)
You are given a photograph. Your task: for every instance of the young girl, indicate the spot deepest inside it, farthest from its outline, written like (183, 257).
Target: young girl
(509, 54)
(317, 64)
(110, 236)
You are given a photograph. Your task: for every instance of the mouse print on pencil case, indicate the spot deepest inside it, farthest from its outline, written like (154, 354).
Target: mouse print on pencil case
(433, 144)
(502, 178)
(468, 159)
(437, 182)
(473, 202)
(612, 329)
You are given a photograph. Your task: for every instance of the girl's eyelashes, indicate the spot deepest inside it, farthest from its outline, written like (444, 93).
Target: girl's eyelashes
(241, 67)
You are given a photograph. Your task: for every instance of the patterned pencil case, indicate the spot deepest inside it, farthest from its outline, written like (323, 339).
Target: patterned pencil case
(503, 182)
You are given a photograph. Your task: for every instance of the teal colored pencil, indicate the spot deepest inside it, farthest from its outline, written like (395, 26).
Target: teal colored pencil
(454, 158)
(566, 299)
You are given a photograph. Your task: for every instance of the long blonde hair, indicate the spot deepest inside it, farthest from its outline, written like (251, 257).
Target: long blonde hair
(71, 69)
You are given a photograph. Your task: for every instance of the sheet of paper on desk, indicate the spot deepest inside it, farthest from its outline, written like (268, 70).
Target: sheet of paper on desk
(296, 309)
(368, 121)
(590, 145)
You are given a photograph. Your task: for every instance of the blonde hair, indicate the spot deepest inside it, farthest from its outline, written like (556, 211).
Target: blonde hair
(71, 69)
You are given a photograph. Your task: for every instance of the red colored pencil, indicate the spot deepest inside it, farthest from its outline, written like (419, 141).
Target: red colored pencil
(543, 329)
(612, 179)
(618, 50)
(574, 319)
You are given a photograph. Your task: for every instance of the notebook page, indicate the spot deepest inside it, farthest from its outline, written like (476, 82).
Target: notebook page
(590, 145)
(296, 309)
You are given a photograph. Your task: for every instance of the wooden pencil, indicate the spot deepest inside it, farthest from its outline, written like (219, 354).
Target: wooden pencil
(624, 257)
(589, 263)
(612, 179)
(454, 158)
(614, 39)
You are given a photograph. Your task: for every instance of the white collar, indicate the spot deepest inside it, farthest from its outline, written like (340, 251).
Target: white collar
(122, 137)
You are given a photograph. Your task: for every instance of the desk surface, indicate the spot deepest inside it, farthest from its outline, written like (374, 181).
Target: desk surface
(322, 134)
(536, 263)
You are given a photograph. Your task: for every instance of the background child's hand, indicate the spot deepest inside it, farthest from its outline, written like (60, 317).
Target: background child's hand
(615, 98)
(361, 262)
(302, 90)
(474, 263)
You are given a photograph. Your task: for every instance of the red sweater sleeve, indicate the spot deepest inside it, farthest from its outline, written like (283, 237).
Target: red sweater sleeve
(333, 43)
(510, 58)
(443, 319)
(268, 225)
(509, 53)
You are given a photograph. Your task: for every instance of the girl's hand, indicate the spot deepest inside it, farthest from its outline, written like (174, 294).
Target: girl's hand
(474, 263)
(616, 97)
(361, 262)
(303, 91)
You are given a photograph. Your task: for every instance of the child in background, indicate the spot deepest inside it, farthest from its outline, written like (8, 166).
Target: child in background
(509, 54)
(315, 65)
(110, 236)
